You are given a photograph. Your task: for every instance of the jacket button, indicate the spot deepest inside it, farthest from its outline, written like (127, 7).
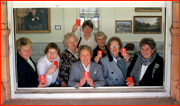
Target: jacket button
(116, 79)
(112, 72)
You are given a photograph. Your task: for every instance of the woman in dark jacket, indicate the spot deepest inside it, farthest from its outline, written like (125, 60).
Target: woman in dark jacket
(68, 57)
(146, 67)
(100, 39)
(26, 69)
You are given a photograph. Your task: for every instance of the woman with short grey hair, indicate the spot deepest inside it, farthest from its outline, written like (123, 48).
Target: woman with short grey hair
(146, 67)
(68, 57)
(83, 67)
(100, 38)
(66, 37)
(98, 34)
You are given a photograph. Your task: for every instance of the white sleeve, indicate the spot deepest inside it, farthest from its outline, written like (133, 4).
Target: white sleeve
(42, 70)
(32, 19)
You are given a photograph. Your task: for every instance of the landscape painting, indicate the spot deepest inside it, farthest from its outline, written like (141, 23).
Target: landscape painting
(123, 26)
(147, 24)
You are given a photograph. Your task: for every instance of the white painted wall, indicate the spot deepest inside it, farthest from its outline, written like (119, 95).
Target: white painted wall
(66, 18)
(109, 15)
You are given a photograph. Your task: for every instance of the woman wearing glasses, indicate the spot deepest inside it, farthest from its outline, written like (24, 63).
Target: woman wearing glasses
(87, 39)
(114, 65)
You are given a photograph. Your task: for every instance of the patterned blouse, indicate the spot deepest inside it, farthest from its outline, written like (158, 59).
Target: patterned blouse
(67, 58)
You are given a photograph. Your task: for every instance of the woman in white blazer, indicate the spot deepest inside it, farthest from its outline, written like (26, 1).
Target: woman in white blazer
(45, 65)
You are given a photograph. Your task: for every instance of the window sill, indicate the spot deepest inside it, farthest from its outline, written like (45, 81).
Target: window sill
(55, 90)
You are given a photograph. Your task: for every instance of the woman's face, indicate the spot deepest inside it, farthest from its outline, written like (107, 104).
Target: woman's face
(87, 30)
(114, 48)
(71, 43)
(52, 54)
(146, 51)
(25, 52)
(85, 57)
(101, 41)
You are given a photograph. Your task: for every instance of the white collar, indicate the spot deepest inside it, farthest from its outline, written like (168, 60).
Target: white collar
(86, 68)
(71, 51)
(75, 54)
(115, 59)
(91, 38)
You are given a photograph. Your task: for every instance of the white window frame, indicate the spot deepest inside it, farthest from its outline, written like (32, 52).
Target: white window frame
(89, 92)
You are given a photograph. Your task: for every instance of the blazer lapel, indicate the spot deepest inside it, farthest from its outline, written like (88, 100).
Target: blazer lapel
(112, 63)
(114, 66)
(91, 71)
(81, 66)
(28, 65)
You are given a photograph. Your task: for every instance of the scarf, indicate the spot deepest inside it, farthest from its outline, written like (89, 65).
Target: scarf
(136, 71)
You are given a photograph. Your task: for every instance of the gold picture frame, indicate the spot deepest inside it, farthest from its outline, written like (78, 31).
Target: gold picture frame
(32, 20)
(147, 24)
(148, 9)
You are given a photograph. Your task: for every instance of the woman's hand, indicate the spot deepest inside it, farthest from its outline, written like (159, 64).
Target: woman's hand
(42, 85)
(127, 57)
(90, 82)
(136, 84)
(63, 84)
(51, 70)
(82, 82)
(130, 84)
(74, 28)
(96, 59)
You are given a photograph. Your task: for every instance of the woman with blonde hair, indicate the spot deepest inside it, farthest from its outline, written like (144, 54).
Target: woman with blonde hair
(26, 68)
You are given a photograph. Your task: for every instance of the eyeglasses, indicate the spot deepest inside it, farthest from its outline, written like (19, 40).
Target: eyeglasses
(116, 46)
(87, 27)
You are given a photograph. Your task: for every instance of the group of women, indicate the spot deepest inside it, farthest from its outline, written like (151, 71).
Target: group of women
(80, 55)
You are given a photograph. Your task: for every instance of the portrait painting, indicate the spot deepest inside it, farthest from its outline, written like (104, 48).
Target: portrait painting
(147, 24)
(32, 20)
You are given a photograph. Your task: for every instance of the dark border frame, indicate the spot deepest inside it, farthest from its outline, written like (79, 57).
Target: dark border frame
(148, 10)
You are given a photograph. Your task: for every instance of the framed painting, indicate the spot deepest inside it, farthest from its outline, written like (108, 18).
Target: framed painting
(148, 9)
(147, 24)
(123, 26)
(32, 20)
